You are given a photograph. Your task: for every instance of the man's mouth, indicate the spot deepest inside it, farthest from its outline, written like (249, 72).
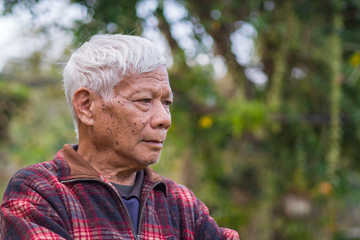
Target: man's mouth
(154, 143)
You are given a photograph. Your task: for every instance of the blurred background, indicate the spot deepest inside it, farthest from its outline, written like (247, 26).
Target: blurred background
(266, 120)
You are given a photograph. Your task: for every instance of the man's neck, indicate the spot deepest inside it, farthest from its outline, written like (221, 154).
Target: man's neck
(108, 165)
(118, 176)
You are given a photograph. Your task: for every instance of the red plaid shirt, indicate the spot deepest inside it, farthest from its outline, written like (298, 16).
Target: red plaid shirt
(68, 199)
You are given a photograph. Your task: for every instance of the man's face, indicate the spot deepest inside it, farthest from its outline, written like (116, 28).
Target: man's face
(134, 124)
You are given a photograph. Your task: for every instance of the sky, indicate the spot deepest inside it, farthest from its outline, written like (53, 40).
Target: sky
(8, 47)
(19, 37)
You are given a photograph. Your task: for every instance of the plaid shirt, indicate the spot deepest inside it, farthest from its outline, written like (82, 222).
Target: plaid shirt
(68, 199)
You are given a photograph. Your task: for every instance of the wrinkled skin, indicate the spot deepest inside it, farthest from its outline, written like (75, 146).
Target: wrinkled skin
(128, 133)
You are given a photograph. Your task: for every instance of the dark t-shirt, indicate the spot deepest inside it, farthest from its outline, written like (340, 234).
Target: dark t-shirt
(131, 197)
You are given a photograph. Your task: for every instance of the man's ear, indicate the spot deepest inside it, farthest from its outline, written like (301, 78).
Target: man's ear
(83, 104)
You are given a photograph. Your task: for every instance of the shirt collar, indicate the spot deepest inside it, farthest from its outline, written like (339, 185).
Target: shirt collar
(80, 168)
(136, 190)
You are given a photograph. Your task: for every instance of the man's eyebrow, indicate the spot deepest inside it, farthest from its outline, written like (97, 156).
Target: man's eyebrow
(143, 90)
(170, 95)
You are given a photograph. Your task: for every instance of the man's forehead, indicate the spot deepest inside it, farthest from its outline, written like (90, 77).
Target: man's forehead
(148, 87)
(144, 84)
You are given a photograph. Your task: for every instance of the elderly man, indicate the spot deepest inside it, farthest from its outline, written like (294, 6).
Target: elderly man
(118, 90)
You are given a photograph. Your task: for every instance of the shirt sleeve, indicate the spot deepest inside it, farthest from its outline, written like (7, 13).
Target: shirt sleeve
(26, 214)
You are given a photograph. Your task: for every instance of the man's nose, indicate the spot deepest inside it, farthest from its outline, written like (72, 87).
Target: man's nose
(161, 116)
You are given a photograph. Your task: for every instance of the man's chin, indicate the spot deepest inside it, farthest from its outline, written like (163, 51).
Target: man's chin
(150, 160)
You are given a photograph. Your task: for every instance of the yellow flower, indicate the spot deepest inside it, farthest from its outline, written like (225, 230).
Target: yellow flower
(355, 59)
(206, 121)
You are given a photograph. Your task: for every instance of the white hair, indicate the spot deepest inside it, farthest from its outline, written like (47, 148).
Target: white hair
(101, 63)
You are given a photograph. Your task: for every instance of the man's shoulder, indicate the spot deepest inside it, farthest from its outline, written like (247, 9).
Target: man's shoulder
(35, 180)
(55, 168)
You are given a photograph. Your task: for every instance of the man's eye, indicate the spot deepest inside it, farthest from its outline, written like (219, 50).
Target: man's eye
(168, 103)
(145, 100)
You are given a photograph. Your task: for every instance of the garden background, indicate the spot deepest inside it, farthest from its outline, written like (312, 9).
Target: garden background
(266, 119)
